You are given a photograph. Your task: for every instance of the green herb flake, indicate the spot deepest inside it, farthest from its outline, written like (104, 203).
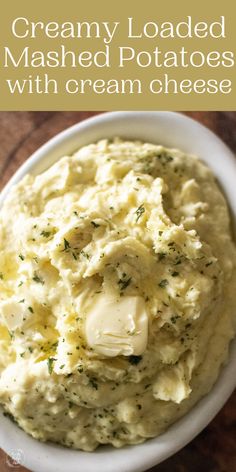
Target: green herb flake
(208, 264)
(45, 234)
(50, 364)
(174, 318)
(175, 274)
(66, 245)
(9, 416)
(164, 157)
(161, 255)
(1, 275)
(95, 225)
(30, 309)
(84, 254)
(163, 283)
(21, 257)
(93, 383)
(134, 360)
(140, 210)
(178, 261)
(36, 278)
(124, 283)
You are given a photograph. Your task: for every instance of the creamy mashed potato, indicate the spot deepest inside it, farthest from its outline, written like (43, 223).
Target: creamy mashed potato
(117, 286)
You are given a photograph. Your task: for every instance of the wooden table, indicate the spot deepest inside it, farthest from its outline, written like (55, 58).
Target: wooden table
(21, 133)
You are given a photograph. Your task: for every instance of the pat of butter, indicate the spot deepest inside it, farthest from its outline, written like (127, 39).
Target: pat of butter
(12, 312)
(117, 327)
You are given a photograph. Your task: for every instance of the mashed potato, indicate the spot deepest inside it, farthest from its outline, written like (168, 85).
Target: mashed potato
(117, 286)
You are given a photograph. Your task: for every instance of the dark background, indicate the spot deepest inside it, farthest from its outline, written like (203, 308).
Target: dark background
(21, 133)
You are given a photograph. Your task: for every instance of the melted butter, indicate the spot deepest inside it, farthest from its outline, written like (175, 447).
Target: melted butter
(117, 326)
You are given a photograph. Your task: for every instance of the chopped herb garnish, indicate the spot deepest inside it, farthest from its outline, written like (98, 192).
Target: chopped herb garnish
(50, 364)
(164, 157)
(45, 234)
(163, 283)
(30, 309)
(175, 274)
(124, 283)
(134, 360)
(36, 278)
(188, 325)
(84, 254)
(93, 383)
(9, 416)
(1, 275)
(95, 225)
(66, 245)
(21, 257)
(61, 366)
(161, 255)
(178, 261)
(140, 210)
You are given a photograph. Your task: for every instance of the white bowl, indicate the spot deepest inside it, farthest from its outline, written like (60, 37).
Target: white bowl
(173, 130)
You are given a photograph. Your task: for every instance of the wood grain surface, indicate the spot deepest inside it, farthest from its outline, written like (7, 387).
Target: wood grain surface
(21, 133)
